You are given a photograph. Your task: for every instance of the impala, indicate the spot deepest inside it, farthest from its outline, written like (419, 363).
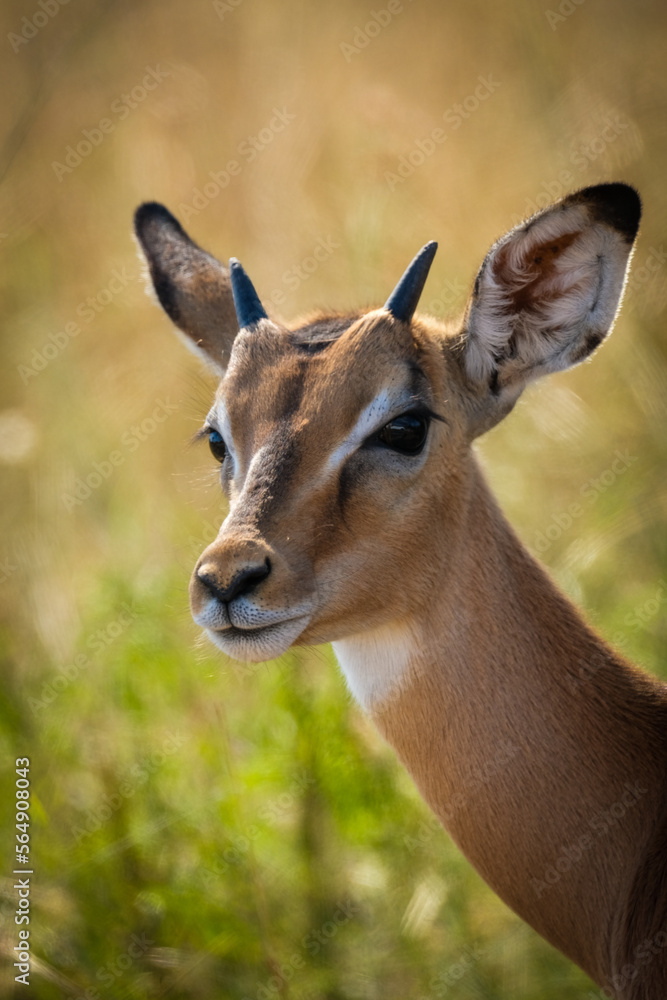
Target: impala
(358, 515)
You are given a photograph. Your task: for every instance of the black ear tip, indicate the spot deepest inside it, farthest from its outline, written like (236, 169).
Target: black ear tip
(151, 214)
(617, 204)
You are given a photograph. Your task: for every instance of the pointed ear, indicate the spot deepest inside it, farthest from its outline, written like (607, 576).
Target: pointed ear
(194, 289)
(548, 292)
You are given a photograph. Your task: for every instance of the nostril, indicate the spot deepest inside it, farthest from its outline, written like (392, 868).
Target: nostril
(249, 578)
(209, 581)
(241, 583)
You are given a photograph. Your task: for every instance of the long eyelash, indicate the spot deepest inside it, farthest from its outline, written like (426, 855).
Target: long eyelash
(201, 433)
(426, 411)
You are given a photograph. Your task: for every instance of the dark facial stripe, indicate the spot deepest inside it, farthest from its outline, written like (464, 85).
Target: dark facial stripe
(290, 392)
(346, 484)
(270, 484)
(321, 333)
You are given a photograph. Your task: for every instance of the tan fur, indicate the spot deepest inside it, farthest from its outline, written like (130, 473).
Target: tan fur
(542, 751)
(519, 678)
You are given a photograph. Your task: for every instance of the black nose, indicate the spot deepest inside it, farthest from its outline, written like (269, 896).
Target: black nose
(242, 583)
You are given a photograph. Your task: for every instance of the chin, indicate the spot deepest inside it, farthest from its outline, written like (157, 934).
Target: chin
(257, 644)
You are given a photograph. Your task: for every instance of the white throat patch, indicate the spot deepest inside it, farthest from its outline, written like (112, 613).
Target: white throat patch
(376, 663)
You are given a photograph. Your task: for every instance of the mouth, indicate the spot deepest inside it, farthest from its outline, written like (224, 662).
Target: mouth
(264, 642)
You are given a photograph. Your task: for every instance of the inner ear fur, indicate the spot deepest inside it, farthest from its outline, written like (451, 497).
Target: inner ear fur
(549, 290)
(192, 287)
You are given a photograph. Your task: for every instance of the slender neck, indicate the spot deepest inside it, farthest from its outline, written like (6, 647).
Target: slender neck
(538, 747)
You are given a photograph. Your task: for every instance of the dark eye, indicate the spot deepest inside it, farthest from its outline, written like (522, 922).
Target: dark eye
(406, 433)
(217, 446)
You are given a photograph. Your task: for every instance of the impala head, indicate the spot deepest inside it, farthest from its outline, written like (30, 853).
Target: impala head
(344, 441)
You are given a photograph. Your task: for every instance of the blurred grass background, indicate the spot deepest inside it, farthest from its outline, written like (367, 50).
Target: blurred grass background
(201, 829)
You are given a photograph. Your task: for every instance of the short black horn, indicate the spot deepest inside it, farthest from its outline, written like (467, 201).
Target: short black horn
(249, 310)
(403, 300)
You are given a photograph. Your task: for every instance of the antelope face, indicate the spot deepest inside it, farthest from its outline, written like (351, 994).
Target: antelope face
(344, 443)
(329, 440)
